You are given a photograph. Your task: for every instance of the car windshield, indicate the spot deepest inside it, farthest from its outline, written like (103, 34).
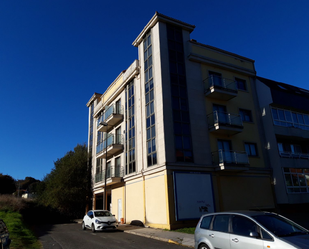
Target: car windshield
(102, 213)
(279, 226)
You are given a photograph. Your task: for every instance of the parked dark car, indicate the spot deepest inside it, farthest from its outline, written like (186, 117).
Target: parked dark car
(4, 236)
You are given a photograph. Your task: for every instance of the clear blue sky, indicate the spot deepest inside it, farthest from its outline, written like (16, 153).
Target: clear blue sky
(54, 54)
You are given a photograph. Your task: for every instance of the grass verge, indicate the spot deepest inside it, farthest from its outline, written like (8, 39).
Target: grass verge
(20, 234)
(189, 230)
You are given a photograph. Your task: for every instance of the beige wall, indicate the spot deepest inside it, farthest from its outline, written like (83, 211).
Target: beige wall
(134, 202)
(156, 200)
(118, 193)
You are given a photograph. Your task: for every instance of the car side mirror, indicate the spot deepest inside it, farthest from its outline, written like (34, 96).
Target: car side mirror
(254, 235)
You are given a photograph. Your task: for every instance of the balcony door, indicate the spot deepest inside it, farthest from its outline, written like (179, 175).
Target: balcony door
(118, 106)
(216, 79)
(118, 135)
(220, 115)
(117, 166)
(225, 151)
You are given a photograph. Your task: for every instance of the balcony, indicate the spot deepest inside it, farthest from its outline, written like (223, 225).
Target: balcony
(230, 160)
(114, 146)
(111, 116)
(224, 123)
(220, 88)
(114, 175)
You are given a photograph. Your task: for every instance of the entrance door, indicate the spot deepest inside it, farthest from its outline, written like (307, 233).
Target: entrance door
(119, 210)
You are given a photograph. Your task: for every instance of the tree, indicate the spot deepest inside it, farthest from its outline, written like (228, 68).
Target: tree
(67, 185)
(7, 184)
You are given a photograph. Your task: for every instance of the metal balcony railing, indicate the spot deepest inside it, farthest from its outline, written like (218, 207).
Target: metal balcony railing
(223, 118)
(219, 82)
(117, 171)
(230, 157)
(110, 141)
(110, 110)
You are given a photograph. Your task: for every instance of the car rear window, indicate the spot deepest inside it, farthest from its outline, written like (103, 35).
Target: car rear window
(205, 223)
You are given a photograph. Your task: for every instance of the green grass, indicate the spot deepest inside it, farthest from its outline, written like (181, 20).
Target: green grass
(22, 237)
(189, 230)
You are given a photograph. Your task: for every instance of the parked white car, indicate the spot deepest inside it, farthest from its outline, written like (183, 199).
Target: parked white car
(249, 230)
(98, 220)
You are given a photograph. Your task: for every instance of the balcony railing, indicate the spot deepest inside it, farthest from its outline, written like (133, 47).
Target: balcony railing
(113, 143)
(224, 123)
(220, 88)
(112, 172)
(230, 159)
(112, 115)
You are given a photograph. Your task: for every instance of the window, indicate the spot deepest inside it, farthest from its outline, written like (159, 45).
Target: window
(221, 223)
(241, 84)
(296, 180)
(149, 100)
(205, 223)
(245, 115)
(215, 79)
(118, 167)
(181, 120)
(243, 226)
(288, 118)
(251, 149)
(130, 129)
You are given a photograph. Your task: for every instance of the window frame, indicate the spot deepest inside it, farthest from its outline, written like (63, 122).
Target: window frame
(246, 113)
(255, 147)
(237, 80)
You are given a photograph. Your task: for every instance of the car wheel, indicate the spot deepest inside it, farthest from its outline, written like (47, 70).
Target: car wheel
(203, 246)
(93, 228)
(83, 226)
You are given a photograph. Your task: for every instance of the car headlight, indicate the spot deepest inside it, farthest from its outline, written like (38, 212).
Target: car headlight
(97, 221)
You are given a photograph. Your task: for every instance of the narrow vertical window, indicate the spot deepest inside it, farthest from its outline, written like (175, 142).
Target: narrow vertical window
(149, 102)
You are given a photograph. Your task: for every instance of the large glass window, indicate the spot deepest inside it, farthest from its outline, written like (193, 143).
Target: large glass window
(290, 119)
(149, 102)
(130, 129)
(181, 120)
(297, 180)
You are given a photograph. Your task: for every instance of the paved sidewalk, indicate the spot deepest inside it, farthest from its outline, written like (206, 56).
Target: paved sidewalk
(159, 234)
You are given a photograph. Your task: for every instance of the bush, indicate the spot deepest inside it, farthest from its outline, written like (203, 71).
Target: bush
(11, 203)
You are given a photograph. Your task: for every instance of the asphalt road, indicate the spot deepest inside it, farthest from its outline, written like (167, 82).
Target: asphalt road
(67, 236)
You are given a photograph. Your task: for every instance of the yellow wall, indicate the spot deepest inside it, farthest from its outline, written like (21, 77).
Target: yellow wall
(243, 100)
(245, 192)
(226, 58)
(134, 200)
(118, 193)
(156, 202)
(112, 89)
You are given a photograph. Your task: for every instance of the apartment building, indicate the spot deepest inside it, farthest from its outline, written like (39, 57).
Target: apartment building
(178, 132)
(285, 115)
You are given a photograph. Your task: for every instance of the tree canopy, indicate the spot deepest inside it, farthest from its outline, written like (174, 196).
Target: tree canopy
(7, 184)
(67, 185)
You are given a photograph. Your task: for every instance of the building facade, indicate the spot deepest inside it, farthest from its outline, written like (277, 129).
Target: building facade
(285, 115)
(178, 132)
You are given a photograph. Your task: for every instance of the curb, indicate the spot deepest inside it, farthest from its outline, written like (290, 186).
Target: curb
(158, 238)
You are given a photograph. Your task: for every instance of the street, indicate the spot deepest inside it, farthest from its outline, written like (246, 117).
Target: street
(71, 236)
